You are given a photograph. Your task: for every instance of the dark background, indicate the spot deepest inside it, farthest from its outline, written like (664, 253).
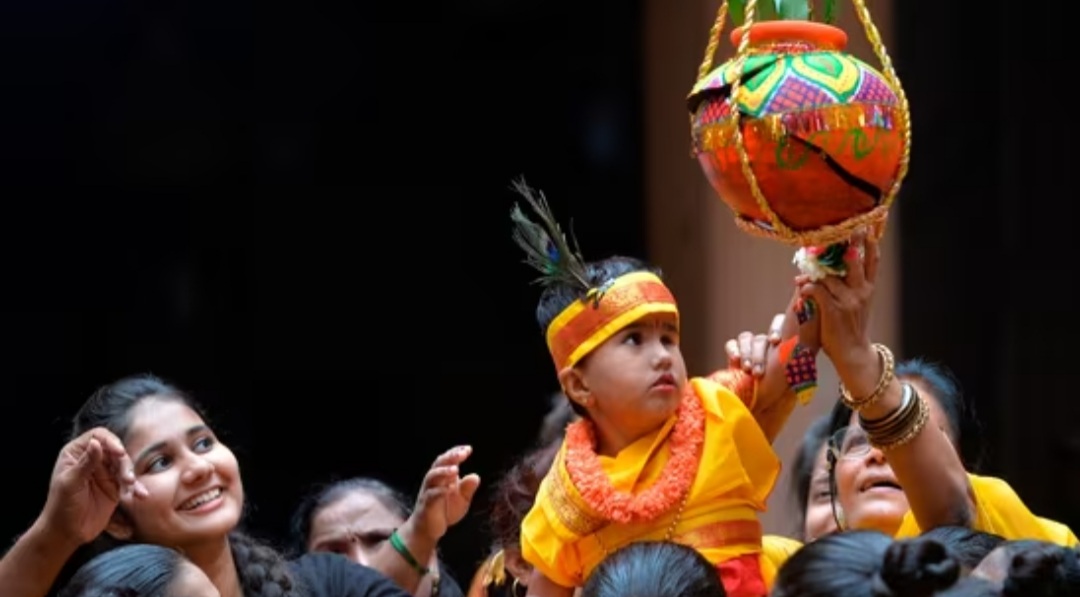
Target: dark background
(299, 213)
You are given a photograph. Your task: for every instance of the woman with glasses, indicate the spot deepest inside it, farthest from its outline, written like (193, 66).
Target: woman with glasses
(868, 493)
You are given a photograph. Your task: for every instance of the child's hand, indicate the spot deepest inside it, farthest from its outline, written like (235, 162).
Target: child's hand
(750, 352)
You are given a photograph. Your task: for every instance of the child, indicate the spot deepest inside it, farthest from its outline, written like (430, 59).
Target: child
(655, 456)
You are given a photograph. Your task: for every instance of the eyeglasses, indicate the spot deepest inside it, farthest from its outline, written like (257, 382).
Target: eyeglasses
(850, 443)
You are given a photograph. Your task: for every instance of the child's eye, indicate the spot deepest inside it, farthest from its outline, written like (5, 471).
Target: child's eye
(633, 338)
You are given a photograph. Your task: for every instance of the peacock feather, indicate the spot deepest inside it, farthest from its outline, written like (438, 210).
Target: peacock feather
(784, 10)
(545, 245)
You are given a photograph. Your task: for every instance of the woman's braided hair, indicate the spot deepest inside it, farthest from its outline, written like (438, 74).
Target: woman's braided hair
(262, 570)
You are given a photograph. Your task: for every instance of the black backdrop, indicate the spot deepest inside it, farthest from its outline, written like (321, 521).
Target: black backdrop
(299, 213)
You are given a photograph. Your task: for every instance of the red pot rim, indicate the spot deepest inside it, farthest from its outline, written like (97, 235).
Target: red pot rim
(827, 37)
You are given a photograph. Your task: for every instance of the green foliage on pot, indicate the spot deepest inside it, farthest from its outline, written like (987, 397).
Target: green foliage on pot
(784, 10)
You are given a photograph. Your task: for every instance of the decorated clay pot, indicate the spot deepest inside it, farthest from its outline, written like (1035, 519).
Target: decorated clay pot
(823, 130)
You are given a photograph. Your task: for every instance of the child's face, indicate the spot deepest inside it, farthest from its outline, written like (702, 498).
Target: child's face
(634, 380)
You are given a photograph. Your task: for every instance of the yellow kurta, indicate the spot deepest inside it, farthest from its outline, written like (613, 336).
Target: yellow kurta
(564, 539)
(1000, 511)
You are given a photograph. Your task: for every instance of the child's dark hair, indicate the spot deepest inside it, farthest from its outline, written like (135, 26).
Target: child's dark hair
(263, 571)
(654, 569)
(558, 296)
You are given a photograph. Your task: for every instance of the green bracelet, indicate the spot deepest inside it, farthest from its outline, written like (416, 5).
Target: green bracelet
(401, 548)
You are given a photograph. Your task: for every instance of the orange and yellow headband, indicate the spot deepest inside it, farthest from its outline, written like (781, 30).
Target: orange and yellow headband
(588, 322)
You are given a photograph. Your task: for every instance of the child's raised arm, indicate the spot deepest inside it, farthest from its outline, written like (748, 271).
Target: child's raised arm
(758, 367)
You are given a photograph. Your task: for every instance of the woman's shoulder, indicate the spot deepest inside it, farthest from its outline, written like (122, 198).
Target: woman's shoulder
(333, 575)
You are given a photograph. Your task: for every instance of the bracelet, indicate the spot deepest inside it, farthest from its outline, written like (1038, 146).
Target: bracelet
(888, 363)
(900, 426)
(894, 422)
(400, 547)
(800, 369)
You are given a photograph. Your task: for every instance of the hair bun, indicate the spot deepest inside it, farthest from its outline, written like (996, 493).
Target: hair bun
(1044, 569)
(915, 567)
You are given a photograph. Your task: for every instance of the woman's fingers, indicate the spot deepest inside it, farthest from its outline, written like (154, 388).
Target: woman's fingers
(871, 259)
(853, 259)
(455, 455)
(439, 476)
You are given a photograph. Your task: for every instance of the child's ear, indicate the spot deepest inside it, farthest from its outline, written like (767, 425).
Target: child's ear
(574, 386)
(119, 526)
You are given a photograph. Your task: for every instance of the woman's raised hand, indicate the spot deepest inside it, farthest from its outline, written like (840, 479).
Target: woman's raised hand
(843, 305)
(445, 496)
(91, 475)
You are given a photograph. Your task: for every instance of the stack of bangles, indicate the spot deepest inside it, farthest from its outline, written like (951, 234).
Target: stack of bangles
(403, 550)
(901, 425)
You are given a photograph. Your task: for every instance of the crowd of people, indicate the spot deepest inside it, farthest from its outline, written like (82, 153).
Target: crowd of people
(644, 480)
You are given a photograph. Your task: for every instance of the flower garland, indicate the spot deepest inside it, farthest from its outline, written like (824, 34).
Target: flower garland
(587, 474)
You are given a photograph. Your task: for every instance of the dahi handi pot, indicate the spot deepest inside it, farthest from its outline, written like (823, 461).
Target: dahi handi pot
(824, 132)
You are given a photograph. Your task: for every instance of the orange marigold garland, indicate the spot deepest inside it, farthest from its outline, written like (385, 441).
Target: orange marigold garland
(585, 470)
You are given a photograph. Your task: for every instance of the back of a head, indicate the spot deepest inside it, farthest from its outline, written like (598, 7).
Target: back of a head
(109, 592)
(970, 586)
(139, 570)
(967, 545)
(654, 569)
(851, 564)
(1044, 569)
(918, 567)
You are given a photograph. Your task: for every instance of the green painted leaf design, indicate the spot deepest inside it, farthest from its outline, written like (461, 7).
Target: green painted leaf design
(830, 11)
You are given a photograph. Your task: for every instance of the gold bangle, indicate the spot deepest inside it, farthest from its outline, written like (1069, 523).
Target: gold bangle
(920, 418)
(888, 363)
(883, 426)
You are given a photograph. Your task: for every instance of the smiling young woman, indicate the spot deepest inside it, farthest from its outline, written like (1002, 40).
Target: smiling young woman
(145, 467)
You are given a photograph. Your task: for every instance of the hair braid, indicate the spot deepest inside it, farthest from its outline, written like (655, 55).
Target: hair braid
(263, 571)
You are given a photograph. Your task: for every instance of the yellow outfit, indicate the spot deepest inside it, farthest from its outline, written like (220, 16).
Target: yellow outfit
(775, 550)
(564, 538)
(1000, 511)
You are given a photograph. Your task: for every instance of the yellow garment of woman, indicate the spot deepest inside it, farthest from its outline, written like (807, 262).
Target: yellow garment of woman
(999, 510)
